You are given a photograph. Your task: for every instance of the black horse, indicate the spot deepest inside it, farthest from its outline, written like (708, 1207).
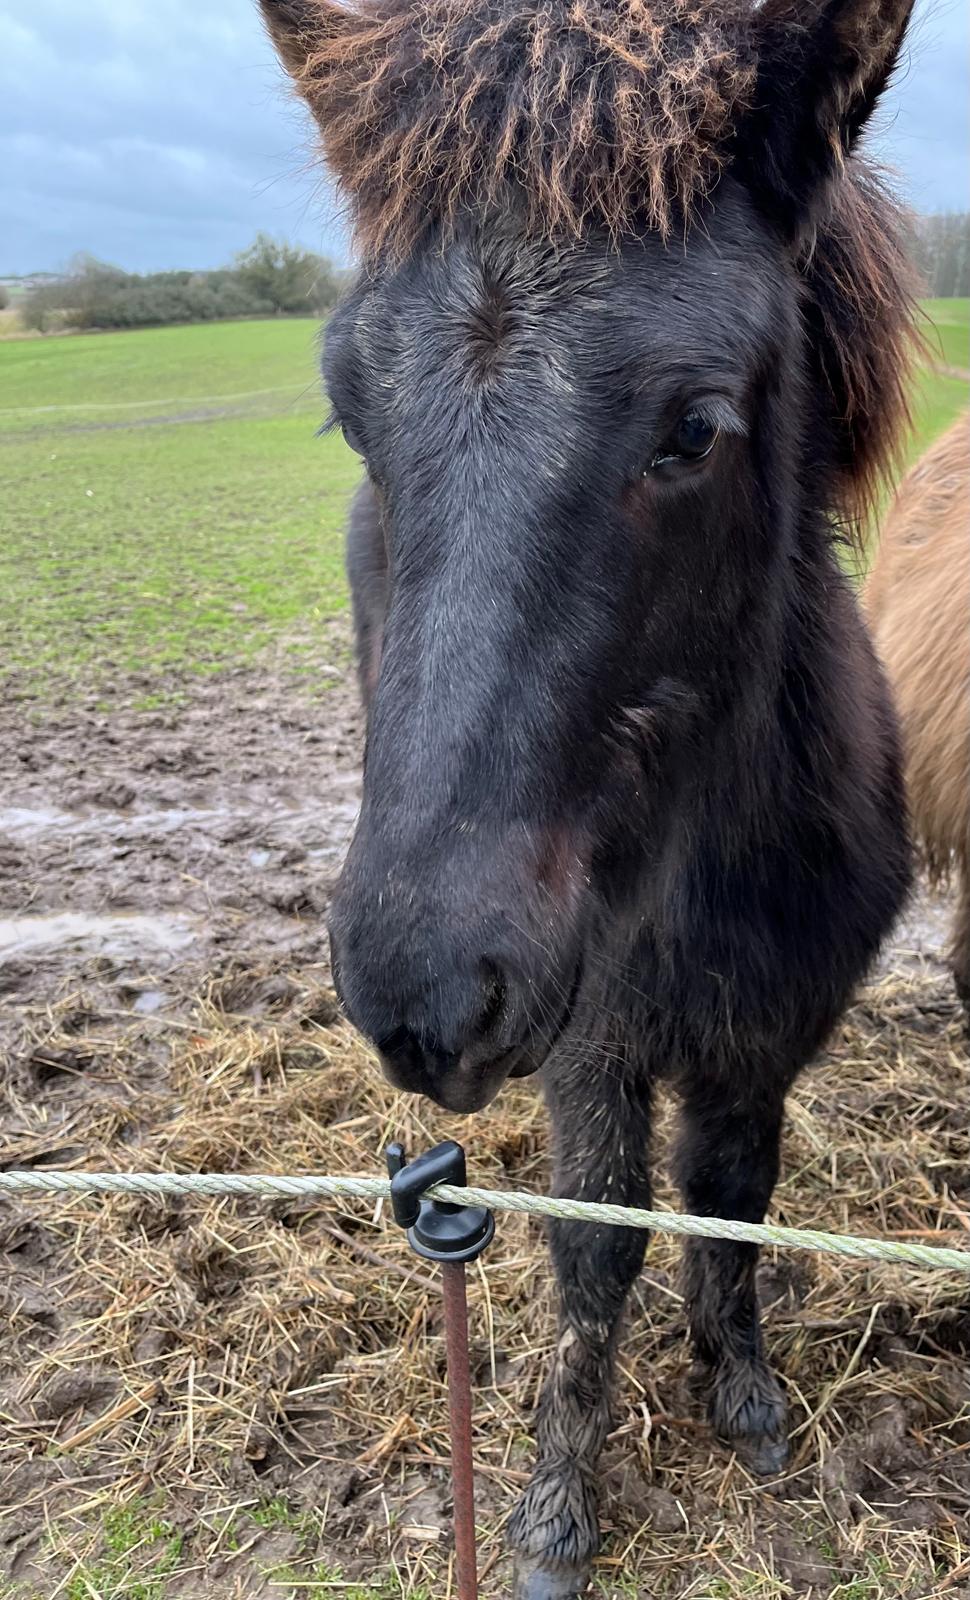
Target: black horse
(625, 359)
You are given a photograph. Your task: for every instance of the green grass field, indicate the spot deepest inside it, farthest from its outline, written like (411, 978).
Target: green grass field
(941, 395)
(166, 502)
(949, 336)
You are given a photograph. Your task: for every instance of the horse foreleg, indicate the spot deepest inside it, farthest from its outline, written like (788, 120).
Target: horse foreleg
(728, 1166)
(601, 1119)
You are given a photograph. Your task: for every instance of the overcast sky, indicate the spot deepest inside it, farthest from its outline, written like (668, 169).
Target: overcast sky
(157, 133)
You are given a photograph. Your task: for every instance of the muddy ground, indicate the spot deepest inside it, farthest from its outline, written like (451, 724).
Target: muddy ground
(232, 1400)
(138, 843)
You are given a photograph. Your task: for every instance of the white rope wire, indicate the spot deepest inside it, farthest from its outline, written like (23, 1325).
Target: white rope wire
(259, 1185)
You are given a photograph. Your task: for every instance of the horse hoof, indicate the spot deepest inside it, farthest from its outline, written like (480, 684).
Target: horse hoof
(536, 1582)
(747, 1412)
(764, 1457)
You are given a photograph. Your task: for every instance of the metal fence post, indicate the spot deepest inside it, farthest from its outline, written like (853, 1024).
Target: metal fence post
(450, 1235)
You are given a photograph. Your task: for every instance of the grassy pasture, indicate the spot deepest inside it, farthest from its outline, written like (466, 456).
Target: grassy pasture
(949, 335)
(167, 504)
(941, 394)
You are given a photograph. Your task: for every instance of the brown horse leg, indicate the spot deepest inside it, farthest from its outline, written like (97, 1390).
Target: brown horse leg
(602, 1128)
(960, 948)
(728, 1164)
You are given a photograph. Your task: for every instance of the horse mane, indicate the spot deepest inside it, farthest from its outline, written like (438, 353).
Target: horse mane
(601, 113)
(860, 304)
(617, 115)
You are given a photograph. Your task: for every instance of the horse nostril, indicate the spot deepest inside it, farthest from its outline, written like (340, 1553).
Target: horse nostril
(495, 992)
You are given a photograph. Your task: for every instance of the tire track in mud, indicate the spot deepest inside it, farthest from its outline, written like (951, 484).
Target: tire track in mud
(142, 405)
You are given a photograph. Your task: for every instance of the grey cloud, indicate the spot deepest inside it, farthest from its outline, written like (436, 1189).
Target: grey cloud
(152, 136)
(162, 135)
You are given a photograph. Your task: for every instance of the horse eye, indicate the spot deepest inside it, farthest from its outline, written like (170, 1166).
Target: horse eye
(691, 440)
(352, 439)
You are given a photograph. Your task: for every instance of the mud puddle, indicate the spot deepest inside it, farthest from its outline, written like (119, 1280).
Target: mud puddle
(323, 830)
(118, 935)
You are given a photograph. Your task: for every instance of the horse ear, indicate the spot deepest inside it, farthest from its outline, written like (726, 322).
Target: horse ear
(298, 28)
(822, 65)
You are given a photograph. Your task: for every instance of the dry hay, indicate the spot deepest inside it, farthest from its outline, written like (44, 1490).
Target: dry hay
(266, 1381)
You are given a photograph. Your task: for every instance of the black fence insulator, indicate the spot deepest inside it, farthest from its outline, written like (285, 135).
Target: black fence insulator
(438, 1231)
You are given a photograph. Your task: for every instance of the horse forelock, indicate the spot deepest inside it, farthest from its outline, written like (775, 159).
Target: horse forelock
(609, 114)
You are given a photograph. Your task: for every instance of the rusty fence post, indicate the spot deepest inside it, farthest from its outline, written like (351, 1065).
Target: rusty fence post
(450, 1235)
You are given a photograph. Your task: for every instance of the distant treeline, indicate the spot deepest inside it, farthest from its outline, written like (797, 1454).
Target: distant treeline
(268, 279)
(941, 250)
(274, 278)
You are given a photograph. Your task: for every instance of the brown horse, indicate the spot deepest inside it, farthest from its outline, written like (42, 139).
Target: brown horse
(917, 600)
(625, 356)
